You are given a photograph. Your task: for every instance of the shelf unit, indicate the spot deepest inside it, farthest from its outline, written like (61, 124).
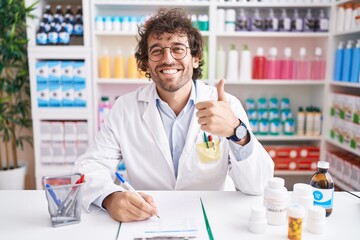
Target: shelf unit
(338, 87)
(62, 53)
(301, 93)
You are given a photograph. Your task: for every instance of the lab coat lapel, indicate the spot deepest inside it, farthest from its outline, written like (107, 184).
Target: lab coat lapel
(153, 121)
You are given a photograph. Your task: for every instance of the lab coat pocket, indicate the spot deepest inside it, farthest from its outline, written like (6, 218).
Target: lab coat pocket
(208, 151)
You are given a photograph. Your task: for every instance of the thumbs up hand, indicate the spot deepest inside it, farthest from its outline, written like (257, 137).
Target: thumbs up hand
(216, 117)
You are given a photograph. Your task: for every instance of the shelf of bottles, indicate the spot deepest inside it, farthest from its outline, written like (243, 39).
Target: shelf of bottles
(59, 26)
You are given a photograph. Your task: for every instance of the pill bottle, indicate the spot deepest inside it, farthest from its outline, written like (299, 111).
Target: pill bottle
(296, 214)
(257, 222)
(275, 201)
(316, 220)
(323, 187)
(302, 194)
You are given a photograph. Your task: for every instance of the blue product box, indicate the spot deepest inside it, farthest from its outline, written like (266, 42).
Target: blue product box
(79, 84)
(67, 86)
(42, 84)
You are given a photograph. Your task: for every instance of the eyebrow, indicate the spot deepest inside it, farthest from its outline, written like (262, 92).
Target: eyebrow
(171, 43)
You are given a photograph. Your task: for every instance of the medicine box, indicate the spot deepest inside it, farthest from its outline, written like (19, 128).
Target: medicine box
(79, 84)
(57, 131)
(45, 131)
(42, 84)
(82, 131)
(68, 91)
(70, 134)
(58, 152)
(45, 152)
(70, 152)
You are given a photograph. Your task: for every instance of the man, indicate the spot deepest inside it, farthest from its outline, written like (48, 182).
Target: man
(174, 134)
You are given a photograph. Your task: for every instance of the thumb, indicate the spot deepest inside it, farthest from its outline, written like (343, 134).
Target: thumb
(220, 91)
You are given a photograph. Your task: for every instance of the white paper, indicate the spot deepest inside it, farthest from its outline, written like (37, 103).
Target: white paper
(179, 217)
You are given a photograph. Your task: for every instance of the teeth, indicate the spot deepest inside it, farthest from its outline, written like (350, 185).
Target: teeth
(170, 71)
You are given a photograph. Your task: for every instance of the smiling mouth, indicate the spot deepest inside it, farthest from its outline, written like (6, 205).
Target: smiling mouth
(169, 71)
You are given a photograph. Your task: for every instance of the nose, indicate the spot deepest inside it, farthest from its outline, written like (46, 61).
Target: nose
(168, 58)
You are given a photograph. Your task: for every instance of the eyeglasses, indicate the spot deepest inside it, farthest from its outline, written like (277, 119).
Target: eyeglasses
(178, 51)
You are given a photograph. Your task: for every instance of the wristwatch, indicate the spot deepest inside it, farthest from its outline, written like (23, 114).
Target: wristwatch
(239, 133)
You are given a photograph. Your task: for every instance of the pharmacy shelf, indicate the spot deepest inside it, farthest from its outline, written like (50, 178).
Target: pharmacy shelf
(130, 34)
(276, 34)
(339, 145)
(349, 32)
(279, 82)
(288, 138)
(294, 172)
(121, 81)
(63, 113)
(192, 4)
(340, 184)
(57, 52)
(275, 5)
(345, 84)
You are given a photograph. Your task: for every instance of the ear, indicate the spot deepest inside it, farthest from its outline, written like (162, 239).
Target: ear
(195, 62)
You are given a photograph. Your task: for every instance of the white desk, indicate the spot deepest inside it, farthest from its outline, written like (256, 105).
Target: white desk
(24, 215)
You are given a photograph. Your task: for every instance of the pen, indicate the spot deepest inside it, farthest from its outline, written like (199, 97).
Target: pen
(63, 207)
(206, 140)
(129, 187)
(52, 194)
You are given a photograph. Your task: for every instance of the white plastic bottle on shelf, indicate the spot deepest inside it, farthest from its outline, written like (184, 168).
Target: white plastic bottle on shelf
(116, 24)
(347, 16)
(99, 23)
(310, 116)
(230, 18)
(340, 18)
(220, 63)
(275, 201)
(245, 64)
(220, 22)
(108, 24)
(317, 122)
(232, 64)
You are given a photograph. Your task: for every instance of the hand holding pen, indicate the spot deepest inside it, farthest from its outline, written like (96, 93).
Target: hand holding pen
(129, 187)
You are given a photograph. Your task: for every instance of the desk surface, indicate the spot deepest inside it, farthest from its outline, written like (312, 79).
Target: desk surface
(24, 215)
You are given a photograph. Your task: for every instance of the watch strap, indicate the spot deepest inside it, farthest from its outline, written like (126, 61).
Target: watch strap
(234, 138)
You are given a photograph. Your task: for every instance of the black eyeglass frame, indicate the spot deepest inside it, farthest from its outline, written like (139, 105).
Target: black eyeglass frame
(171, 53)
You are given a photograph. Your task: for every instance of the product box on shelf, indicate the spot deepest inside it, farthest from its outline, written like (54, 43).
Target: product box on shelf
(42, 84)
(79, 84)
(355, 175)
(356, 113)
(55, 83)
(67, 84)
(285, 164)
(355, 141)
(70, 152)
(45, 152)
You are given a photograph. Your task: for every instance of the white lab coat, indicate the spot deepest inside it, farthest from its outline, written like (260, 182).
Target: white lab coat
(134, 129)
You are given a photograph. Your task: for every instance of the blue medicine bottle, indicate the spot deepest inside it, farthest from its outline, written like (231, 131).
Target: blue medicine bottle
(355, 71)
(348, 55)
(338, 66)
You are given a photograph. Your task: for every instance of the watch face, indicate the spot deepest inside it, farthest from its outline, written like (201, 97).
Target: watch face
(241, 131)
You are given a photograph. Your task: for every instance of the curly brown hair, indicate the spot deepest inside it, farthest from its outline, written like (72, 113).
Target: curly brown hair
(174, 21)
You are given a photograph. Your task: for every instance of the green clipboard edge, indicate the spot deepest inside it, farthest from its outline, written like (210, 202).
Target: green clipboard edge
(208, 228)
